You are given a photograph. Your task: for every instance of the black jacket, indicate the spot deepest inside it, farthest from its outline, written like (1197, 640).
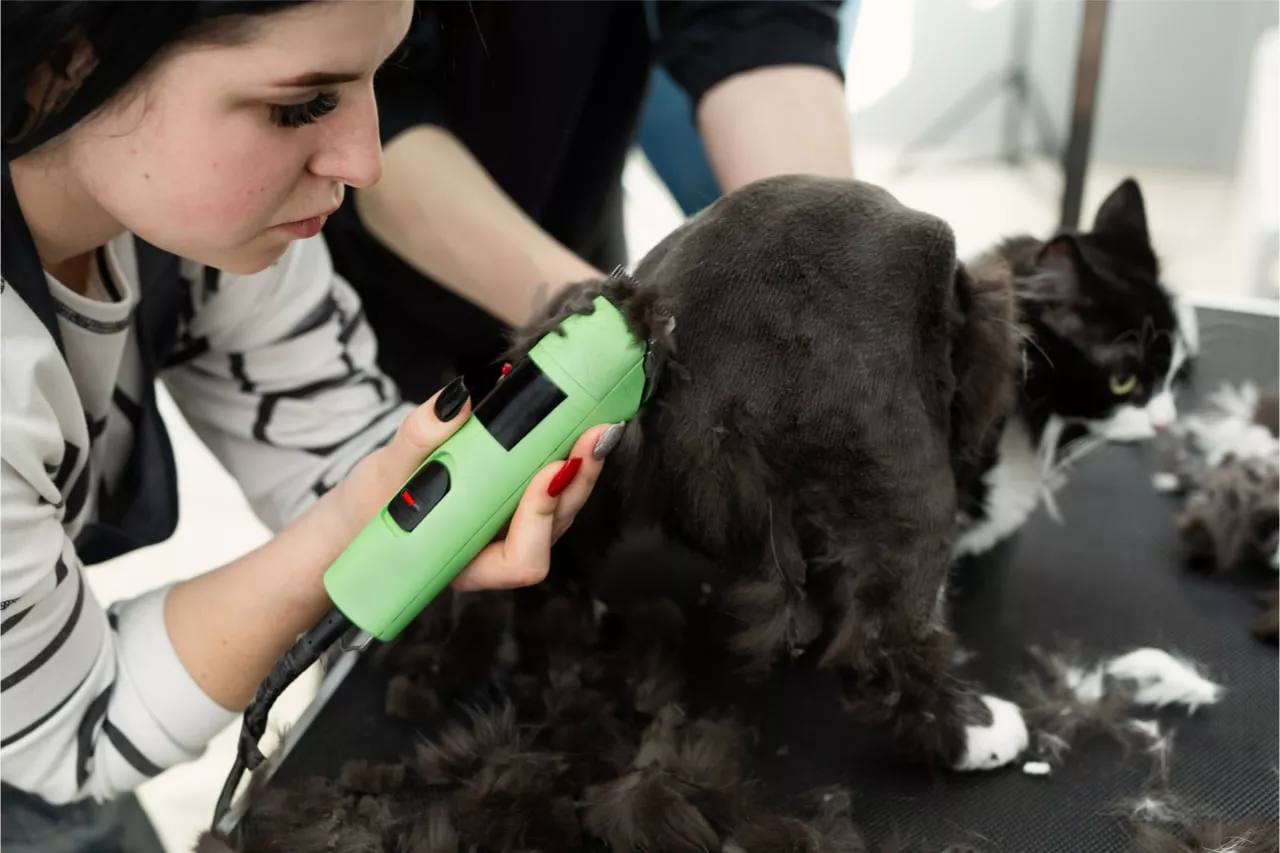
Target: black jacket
(546, 96)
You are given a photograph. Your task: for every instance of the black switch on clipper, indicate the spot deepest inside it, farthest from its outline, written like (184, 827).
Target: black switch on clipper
(419, 496)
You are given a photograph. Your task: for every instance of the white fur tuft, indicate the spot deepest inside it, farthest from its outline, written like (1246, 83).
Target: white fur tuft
(1225, 427)
(1158, 679)
(998, 744)
(1163, 679)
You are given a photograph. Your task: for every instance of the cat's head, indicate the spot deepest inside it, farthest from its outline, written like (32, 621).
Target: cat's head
(1110, 342)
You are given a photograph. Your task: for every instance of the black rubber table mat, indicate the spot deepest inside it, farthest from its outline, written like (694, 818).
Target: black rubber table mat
(1110, 577)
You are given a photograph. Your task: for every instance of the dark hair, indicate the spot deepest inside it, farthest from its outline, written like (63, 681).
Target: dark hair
(124, 37)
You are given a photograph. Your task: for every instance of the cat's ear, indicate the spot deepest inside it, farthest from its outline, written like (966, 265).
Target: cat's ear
(1059, 272)
(1123, 212)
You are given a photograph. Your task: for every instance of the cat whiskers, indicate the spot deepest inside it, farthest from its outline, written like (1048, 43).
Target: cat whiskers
(1028, 337)
(1053, 468)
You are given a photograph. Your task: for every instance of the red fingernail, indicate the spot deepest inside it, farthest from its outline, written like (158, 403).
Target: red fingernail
(564, 476)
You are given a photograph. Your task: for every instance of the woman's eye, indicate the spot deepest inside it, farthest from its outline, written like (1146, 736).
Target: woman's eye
(296, 115)
(1121, 385)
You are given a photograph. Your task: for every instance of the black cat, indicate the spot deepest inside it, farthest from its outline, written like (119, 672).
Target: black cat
(1105, 345)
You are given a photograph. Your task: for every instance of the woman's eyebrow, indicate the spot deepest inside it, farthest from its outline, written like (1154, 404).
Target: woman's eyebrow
(319, 78)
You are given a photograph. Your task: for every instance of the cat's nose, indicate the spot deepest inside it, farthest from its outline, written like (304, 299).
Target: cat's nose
(1160, 426)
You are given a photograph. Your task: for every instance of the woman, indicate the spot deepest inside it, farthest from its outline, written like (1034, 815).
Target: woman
(168, 168)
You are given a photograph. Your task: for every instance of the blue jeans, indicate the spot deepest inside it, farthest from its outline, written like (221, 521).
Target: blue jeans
(29, 824)
(671, 142)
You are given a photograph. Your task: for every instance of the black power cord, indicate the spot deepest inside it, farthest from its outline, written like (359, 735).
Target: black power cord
(306, 651)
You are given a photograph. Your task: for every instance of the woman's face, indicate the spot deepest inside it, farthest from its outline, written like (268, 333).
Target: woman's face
(227, 153)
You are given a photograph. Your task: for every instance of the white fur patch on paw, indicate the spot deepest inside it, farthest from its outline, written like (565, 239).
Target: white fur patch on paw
(1036, 768)
(995, 745)
(1163, 679)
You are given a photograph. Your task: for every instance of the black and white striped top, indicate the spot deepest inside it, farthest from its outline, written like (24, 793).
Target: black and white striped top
(275, 372)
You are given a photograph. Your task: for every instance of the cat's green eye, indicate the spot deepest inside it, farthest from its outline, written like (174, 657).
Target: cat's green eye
(1121, 385)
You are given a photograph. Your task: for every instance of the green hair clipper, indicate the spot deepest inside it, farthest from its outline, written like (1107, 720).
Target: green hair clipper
(591, 371)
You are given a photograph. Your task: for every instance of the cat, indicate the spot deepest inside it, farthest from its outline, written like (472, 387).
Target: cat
(830, 377)
(1106, 347)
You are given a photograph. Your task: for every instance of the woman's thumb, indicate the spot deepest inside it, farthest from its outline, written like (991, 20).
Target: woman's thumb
(429, 426)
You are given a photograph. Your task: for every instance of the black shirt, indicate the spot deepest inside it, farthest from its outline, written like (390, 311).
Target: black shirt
(546, 96)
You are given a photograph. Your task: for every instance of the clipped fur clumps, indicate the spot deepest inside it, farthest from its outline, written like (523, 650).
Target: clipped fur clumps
(688, 791)
(1246, 836)
(1266, 413)
(324, 814)
(654, 642)
(1233, 516)
(431, 831)
(411, 699)
(502, 792)
(1224, 460)
(685, 789)
(1267, 626)
(460, 750)
(582, 760)
(1067, 702)
(213, 842)
(1234, 422)
(1160, 822)
(455, 644)
(826, 827)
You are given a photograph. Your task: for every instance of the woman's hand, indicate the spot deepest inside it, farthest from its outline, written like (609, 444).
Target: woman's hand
(521, 555)
(229, 625)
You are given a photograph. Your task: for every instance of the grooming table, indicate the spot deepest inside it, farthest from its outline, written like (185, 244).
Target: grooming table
(1110, 577)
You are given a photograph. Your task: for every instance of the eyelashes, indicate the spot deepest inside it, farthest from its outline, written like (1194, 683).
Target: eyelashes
(297, 115)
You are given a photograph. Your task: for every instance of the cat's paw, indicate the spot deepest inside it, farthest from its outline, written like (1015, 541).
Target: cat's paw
(997, 744)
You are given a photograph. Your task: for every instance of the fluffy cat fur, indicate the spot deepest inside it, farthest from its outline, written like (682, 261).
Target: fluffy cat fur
(1105, 346)
(832, 373)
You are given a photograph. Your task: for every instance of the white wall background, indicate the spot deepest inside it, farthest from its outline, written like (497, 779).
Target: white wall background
(1173, 81)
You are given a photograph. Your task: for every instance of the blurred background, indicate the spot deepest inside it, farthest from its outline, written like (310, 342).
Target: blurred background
(1186, 102)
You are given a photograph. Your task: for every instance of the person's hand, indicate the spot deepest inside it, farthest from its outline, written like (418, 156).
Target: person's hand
(522, 553)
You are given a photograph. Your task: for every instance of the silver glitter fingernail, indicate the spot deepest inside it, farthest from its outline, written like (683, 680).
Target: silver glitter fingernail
(608, 441)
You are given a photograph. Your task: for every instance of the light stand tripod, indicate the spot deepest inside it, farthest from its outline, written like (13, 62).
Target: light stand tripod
(1023, 97)
(1075, 158)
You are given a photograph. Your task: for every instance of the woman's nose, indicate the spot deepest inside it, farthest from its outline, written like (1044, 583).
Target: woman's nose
(352, 150)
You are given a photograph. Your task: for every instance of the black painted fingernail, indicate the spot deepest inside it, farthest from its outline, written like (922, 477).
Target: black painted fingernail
(450, 401)
(608, 441)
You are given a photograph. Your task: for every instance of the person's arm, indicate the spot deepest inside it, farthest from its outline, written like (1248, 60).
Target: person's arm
(95, 702)
(776, 121)
(287, 394)
(766, 82)
(440, 211)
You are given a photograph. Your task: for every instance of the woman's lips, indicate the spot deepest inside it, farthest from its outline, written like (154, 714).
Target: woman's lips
(305, 228)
